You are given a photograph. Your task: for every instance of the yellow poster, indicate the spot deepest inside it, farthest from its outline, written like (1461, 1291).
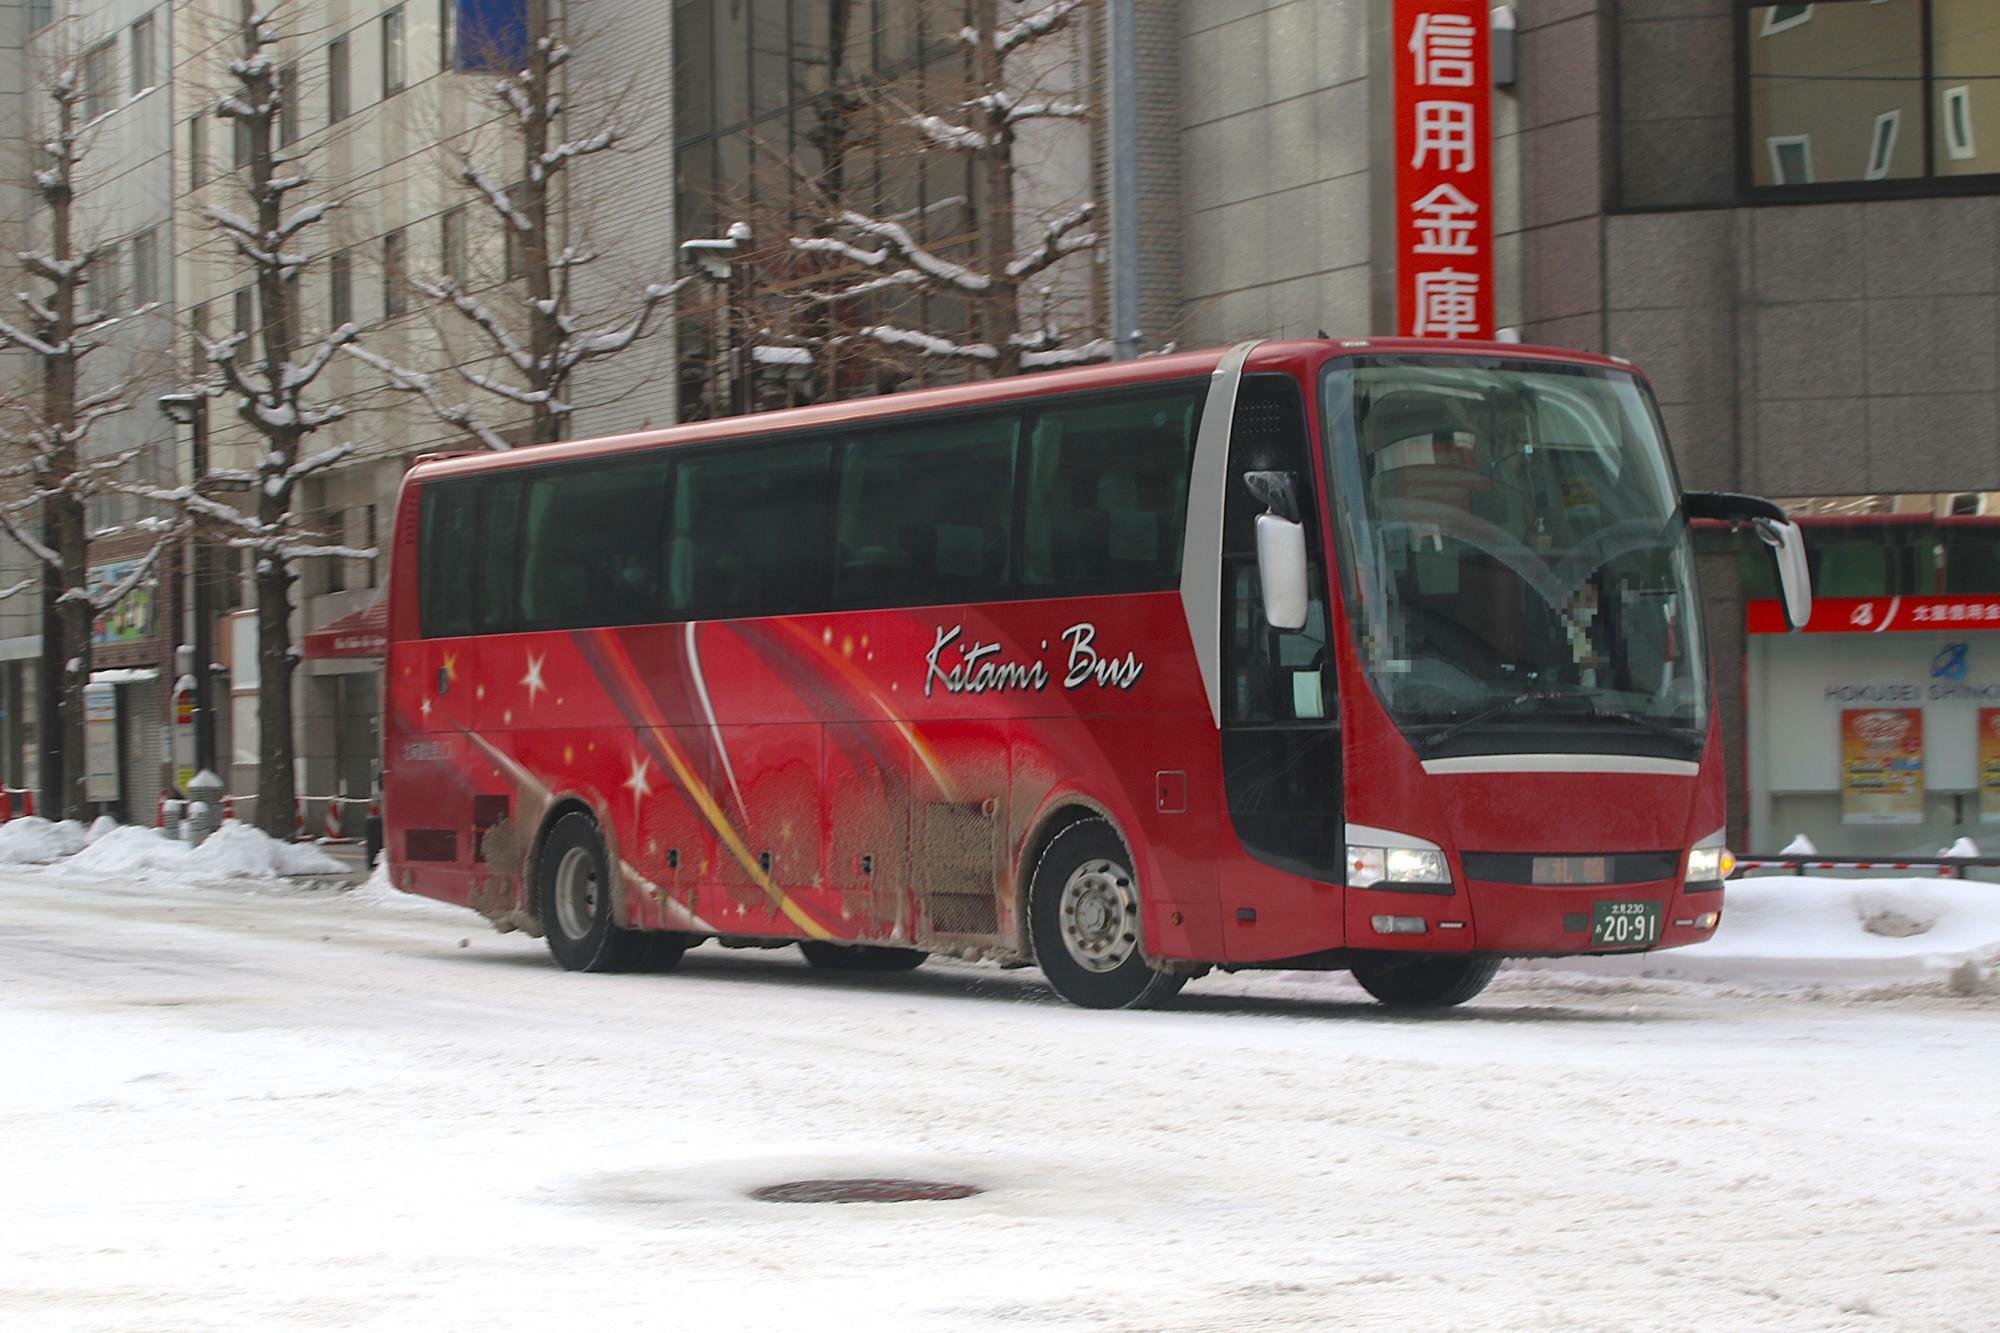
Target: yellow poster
(1882, 765)
(1989, 765)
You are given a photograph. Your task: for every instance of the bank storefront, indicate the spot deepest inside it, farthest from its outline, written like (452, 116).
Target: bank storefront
(1875, 732)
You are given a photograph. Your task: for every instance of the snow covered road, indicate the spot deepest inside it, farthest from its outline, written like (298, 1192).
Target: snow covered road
(266, 1107)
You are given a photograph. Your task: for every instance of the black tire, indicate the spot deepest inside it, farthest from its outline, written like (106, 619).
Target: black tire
(1116, 976)
(860, 957)
(576, 917)
(1425, 982)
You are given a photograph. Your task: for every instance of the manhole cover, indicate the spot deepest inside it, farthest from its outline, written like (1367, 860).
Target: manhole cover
(862, 1191)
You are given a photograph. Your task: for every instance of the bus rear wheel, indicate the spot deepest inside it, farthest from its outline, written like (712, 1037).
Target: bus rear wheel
(1425, 982)
(860, 957)
(573, 899)
(1083, 913)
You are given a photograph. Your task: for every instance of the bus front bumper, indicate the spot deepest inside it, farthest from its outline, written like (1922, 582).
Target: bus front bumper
(1526, 920)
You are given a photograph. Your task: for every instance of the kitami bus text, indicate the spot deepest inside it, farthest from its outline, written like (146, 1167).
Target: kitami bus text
(980, 670)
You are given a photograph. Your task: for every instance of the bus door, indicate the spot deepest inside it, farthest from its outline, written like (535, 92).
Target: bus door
(1280, 720)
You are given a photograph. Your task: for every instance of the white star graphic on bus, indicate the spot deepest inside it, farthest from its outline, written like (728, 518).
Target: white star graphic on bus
(638, 784)
(425, 709)
(533, 680)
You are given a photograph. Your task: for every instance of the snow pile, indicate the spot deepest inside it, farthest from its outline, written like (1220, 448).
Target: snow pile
(129, 851)
(1793, 929)
(239, 851)
(30, 840)
(235, 851)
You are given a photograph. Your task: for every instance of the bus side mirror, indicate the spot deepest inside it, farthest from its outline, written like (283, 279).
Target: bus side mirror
(1788, 548)
(1776, 530)
(1281, 569)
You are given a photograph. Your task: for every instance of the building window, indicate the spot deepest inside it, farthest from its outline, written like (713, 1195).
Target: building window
(1791, 159)
(197, 151)
(338, 104)
(395, 299)
(1842, 93)
(368, 541)
(1958, 143)
(483, 36)
(198, 341)
(100, 79)
(340, 289)
(392, 52)
(239, 143)
(513, 259)
(142, 55)
(452, 242)
(1883, 150)
(336, 567)
(246, 319)
(41, 13)
(1780, 17)
(288, 104)
(104, 277)
(146, 267)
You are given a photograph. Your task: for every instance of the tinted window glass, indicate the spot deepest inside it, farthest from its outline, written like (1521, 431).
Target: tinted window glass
(926, 514)
(1107, 493)
(450, 537)
(749, 532)
(592, 546)
(497, 569)
(1272, 675)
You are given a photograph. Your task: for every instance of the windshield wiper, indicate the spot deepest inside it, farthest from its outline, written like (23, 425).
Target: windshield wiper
(1546, 695)
(1652, 724)
(1540, 694)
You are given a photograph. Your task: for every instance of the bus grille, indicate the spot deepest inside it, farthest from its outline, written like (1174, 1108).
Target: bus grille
(955, 867)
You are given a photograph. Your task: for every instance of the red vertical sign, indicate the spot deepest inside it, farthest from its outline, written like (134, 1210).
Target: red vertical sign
(1444, 172)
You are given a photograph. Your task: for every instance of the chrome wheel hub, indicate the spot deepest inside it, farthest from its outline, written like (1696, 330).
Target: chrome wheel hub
(576, 893)
(1100, 916)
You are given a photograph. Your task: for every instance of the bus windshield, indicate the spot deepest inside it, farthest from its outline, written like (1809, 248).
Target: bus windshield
(1518, 570)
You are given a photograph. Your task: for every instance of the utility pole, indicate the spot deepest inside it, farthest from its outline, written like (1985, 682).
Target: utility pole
(191, 409)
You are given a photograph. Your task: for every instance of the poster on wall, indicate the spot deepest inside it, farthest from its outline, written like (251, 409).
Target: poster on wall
(100, 742)
(1881, 766)
(1989, 765)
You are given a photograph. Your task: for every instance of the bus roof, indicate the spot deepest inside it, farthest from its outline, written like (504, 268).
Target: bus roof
(1114, 375)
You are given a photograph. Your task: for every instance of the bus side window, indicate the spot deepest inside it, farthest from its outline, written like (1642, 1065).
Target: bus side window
(926, 514)
(749, 532)
(1107, 493)
(450, 545)
(591, 547)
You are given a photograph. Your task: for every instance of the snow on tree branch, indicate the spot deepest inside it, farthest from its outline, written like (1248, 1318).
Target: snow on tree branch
(1059, 238)
(1034, 27)
(459, 414)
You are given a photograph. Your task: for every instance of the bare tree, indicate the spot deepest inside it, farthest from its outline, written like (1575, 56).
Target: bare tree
(531, 352)
(1002, 279)
(271, 390)
(48, 428)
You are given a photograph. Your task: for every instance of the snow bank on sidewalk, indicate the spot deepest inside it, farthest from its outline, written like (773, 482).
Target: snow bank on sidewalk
(235, 851)
(1814, 931)
(30, 840)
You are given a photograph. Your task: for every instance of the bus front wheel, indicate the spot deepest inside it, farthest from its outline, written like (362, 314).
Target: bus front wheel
(573, 898)
(1083, 912)
(1425, 983)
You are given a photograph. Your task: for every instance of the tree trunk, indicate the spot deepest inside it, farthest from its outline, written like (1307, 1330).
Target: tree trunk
(999, 306)
(73, 620)
(48, 694)
(276, 791)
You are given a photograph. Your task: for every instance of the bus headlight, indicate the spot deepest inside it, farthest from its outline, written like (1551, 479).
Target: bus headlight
(1710, 865)
(1396, 865)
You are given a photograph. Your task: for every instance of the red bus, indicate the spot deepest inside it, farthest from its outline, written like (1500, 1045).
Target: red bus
(1378, 655)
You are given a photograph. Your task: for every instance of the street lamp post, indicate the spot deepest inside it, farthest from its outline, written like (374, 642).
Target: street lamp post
(191, 409)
